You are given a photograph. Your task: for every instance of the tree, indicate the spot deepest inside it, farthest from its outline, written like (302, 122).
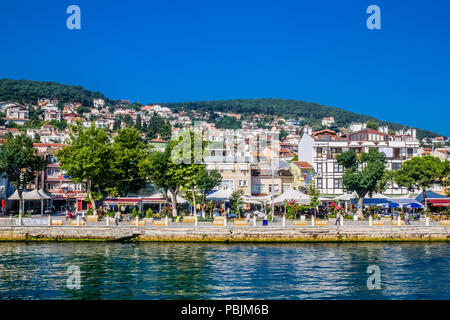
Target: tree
(206, 181)
(138, 122)
(388, 178)
(314, 194)
(362, 174)
(372, 125)
(19, 161)
(236, 202)
(283, 134)
(421, 173)
(87, 159)
(128, 150)
(117, 124)
(176, 168)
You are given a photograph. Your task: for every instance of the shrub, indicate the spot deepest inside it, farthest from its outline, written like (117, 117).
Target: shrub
(135, 213)
(149, 213)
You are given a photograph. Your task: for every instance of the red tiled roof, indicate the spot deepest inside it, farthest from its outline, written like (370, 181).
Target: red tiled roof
(38, 144)
(303, 164)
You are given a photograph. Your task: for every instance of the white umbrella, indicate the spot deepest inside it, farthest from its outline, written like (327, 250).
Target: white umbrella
(347, 196)
(292, 194)
(221, 195)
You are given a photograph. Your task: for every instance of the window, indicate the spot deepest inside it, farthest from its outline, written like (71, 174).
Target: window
(409, 152)
(319, 167)
(337, 167)
(396, 166)
(319, 152)
(319, 183)
(337, 183)
(257, 188)
(243, 183)
(227, 184)
(335, 152)
(275, 189)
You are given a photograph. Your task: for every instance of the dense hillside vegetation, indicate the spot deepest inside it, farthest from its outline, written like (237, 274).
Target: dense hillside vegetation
(28, 92)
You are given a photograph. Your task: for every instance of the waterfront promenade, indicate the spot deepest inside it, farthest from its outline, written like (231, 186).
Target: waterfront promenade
(207, 232)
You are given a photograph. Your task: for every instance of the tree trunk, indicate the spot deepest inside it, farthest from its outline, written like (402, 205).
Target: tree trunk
(19, 191)
(174, 203)
(91, 199)
(194, 202)
(360, 205)
(425, 200)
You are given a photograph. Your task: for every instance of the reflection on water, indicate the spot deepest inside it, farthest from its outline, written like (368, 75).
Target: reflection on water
(221, 271)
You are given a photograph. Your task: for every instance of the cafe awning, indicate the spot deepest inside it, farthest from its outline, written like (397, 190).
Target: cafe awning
(27, 195)
(442, 202)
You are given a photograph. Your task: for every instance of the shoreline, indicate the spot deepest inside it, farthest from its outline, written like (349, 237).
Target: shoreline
(226, 234)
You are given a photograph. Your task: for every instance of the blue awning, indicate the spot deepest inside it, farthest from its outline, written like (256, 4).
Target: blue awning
(430, 194)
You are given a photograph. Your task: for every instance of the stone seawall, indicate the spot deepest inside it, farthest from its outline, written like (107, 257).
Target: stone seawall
(226, 234)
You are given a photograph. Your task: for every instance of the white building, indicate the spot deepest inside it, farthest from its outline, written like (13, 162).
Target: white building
(328, 121)
(322, 148)
(98, 103)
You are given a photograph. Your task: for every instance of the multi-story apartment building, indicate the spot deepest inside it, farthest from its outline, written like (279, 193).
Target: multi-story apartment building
(235, 175)
(56, 182)
(322, 148)
(52, 113)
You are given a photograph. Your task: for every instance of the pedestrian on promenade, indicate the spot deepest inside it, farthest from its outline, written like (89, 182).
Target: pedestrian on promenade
(83, 215)
(116, 218)
(407, 218)
(338, 218)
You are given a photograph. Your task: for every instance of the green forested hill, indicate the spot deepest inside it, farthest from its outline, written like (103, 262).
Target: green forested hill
(28, 92)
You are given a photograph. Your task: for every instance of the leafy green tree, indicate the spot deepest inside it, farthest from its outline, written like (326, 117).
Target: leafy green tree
(157, 125)
(236, 201)
(117, 124)
(83, 109)
(362, 174)
(60, 125)
(227, 122)
(314, 195)
(421, 173)
(37, 138)
(283, 134)
(204, 182)
(87, 159)
(128, 150)
(20, 162)
(138, 122)
(372, 125)
(175, 168)
(128, 120)
(383, 183)
(158, 168)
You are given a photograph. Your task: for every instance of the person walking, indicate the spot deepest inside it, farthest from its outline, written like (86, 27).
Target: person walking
(116, 218)
(407, 218)
(338, 218)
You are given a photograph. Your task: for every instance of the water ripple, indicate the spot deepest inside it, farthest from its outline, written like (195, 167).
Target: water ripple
(219, 271)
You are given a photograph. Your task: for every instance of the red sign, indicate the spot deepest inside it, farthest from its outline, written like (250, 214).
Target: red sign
(3, 203)
(79, 204)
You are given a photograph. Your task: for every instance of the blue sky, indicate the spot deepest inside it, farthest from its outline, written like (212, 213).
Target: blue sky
(171, 51)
